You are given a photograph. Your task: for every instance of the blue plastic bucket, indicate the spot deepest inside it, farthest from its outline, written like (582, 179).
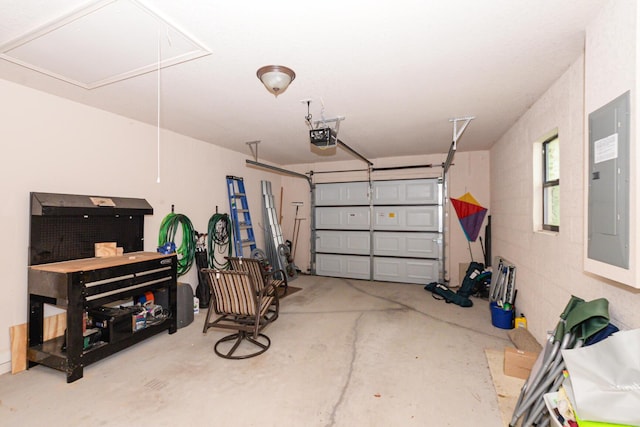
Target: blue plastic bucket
(501, 318)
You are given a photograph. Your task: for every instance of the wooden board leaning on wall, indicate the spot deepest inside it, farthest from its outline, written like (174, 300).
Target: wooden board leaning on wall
(54, 326)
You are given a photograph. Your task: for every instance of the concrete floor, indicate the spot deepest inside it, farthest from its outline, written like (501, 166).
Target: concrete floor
(344, 353)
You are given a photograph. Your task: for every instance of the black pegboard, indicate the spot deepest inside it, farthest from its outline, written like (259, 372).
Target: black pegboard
(61, 238)
(67, 226)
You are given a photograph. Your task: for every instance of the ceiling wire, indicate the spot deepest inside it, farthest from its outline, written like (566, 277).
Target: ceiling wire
(158, 103)
(168, 36)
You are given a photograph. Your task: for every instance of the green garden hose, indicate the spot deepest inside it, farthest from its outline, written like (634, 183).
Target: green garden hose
(219, 235)
(187, 249)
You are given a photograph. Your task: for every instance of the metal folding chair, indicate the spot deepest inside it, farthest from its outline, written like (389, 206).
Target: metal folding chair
(578, 322)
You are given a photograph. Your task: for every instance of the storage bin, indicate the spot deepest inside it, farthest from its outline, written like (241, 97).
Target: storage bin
(501, 318)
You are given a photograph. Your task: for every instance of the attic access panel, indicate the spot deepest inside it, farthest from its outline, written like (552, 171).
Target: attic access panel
(106, 42)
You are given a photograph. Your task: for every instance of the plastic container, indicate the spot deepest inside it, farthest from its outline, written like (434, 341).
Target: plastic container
(501, 318)
(521, 321)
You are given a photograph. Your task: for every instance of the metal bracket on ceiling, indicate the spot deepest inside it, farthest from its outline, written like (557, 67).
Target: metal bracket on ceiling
(253, 146)
(457, 133)
(335, 120)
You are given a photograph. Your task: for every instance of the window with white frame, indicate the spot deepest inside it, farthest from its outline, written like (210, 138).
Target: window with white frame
(551, 184)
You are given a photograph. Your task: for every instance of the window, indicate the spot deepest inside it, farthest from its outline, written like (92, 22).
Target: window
(551, 184)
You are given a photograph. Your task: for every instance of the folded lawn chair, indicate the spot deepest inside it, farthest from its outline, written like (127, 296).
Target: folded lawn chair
(579, 321)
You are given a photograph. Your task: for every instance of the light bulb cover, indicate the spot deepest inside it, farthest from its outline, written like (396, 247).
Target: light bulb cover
(276, 78)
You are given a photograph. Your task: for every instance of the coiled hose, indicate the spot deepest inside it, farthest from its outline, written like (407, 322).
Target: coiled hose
(219, 235)
(187, 249)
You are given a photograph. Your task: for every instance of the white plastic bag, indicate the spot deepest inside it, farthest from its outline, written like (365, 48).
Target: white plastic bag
(606, 378)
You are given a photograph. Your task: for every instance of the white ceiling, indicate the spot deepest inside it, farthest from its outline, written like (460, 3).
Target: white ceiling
(396, 70)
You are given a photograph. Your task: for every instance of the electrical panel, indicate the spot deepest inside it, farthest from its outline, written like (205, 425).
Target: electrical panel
(608, 203)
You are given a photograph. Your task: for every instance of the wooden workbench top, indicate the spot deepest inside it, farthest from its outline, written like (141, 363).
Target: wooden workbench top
(86, 264)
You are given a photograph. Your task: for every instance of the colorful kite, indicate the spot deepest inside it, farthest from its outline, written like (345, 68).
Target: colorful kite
(470, 214)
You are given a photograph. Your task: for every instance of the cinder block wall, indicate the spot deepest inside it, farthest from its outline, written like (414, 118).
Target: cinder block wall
(550, 265)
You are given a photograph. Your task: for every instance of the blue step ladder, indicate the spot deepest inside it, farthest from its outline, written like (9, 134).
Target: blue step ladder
(240, 217)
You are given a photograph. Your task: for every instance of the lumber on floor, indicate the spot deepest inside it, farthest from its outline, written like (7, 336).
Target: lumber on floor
(53, 326)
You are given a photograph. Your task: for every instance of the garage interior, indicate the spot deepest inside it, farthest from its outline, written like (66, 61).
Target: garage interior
(149, 100)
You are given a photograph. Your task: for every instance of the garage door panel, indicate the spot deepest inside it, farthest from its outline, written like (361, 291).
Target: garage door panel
(347, 266)
(343, 242)
(406, 270)
(407, 244)
(414, 218)
(342, 218)
(342, 194)
(405, 192)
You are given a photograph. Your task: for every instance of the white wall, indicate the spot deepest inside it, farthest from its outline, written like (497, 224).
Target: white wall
(53, 145)
(610, 70)
(470, 172)
(549, 265)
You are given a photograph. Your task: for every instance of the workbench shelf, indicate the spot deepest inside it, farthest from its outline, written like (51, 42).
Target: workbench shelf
(80, 285)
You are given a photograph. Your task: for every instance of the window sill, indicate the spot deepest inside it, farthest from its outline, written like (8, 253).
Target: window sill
(547, 232)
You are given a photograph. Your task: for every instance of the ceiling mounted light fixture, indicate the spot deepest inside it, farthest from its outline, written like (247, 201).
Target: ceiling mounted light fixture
(276, 78)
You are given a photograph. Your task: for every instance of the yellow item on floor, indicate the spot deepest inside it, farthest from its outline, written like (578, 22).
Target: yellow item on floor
(520, 322)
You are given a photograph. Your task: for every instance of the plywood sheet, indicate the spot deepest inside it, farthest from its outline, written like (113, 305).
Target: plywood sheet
(53, 326)
(18, 335)
(507, 388)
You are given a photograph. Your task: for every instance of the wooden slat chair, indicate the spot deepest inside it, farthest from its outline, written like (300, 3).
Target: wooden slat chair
(257, 272)
(241, 306)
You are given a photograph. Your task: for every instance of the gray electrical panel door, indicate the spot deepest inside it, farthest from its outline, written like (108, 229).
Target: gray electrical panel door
(608, 227)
